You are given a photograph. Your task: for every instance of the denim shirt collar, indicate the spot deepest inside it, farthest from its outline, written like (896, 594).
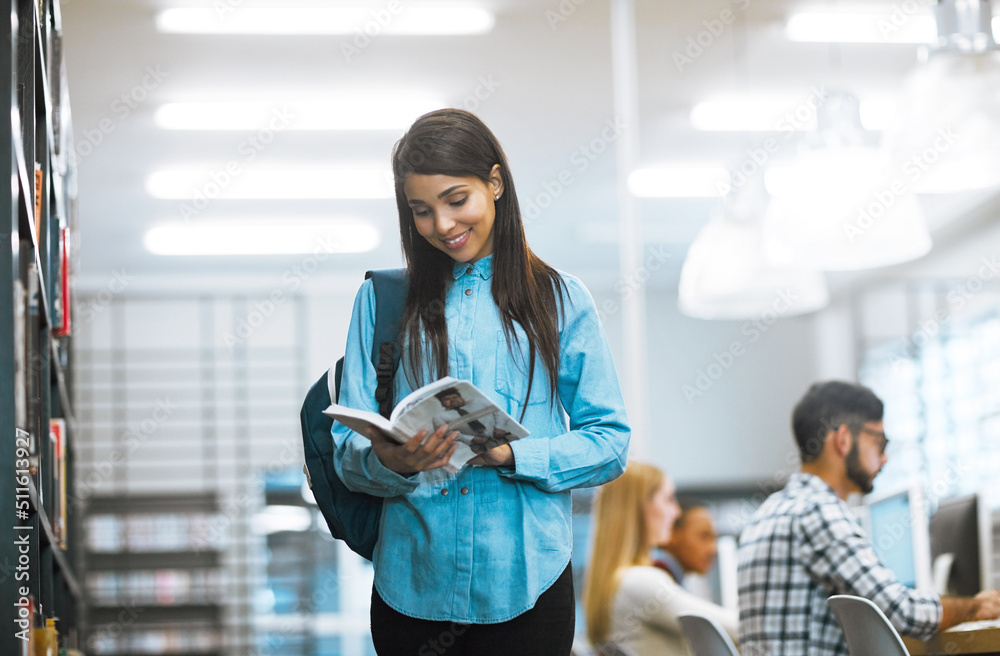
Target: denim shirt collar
(483, 268)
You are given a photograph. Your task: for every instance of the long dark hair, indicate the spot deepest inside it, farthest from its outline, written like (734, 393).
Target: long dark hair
(526, 290)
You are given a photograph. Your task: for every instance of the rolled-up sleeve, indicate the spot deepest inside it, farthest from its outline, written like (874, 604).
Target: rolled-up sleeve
(840, 557)
(595, 449)
(355, 461)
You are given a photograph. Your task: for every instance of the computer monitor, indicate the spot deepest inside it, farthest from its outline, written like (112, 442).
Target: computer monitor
(961, 534)
(896, 523)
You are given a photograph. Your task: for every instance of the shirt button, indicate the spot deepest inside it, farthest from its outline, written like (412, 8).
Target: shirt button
(444, 492)
(469, 270)
(468, 292)
(464, 490)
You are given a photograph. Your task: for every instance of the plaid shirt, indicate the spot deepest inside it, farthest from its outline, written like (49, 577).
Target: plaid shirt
(802, 546)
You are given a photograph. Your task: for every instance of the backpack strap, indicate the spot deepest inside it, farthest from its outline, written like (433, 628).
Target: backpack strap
(391, 286)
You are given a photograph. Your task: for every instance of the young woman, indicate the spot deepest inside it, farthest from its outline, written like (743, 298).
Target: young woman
(629, 601)
(478, 562)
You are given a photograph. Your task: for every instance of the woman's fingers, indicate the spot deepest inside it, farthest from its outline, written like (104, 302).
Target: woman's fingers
(424, 451)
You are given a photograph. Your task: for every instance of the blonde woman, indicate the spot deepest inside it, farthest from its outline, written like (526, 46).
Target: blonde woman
(629, 601)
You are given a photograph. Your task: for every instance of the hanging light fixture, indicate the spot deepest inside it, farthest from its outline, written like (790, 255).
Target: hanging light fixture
(947, 137)
(725, 275)
(841, 206)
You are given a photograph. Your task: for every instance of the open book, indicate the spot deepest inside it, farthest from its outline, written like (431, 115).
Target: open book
(481, 424)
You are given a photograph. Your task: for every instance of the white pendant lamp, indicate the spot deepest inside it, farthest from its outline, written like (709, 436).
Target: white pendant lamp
(840, 205)
(726, 277)
(947, 138)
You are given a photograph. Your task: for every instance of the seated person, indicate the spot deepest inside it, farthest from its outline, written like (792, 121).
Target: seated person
(629, 601)
(692, 545)
(804, 544)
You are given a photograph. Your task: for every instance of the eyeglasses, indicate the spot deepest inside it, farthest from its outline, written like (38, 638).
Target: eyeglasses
(883, 441)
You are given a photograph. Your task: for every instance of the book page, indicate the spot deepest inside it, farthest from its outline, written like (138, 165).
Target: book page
(418, 395)
(360, 421)
(481, 424)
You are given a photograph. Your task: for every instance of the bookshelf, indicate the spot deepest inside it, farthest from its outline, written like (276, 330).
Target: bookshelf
(40, 578)
(155, 579)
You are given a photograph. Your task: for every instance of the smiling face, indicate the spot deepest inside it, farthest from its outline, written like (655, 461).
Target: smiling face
(455, 215)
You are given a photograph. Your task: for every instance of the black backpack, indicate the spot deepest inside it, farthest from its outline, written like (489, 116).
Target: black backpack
(353, 516)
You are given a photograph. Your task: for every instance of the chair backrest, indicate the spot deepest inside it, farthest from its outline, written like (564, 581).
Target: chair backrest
(866, 628)
(707, 638)
(612, 648)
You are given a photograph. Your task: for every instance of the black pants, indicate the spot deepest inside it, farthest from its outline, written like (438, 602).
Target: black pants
(545, 630)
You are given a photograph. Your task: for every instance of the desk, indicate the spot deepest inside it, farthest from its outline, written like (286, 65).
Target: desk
(958, 640)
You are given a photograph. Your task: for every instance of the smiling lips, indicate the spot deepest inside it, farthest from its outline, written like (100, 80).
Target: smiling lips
(457, 242)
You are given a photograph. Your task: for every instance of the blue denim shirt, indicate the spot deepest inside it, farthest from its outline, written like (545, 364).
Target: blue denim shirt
(481, 546)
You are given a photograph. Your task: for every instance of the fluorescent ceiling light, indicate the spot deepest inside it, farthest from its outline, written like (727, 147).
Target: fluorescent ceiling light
(367, 22)
(277, 237)
(755, 114)
(238, 183)
(787, 113)
(694, 181)
(361, 111)
(862, 27)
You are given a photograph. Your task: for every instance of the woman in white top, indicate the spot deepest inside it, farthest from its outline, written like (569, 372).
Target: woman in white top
(629, 601)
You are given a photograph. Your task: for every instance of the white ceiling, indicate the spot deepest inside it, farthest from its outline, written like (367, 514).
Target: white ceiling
(550, 95)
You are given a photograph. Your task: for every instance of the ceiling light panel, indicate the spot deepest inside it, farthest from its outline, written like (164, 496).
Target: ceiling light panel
(891, 25)
(366, 21)
(277, 237)
(780, 113)
(361, 112)
(238, 183)
(756, 114)
(695, 181)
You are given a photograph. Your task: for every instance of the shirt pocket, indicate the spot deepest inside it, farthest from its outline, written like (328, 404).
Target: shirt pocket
(512, 371)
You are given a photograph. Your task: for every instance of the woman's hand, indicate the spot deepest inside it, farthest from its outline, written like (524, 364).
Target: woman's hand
(499, 456)
(419, 454)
